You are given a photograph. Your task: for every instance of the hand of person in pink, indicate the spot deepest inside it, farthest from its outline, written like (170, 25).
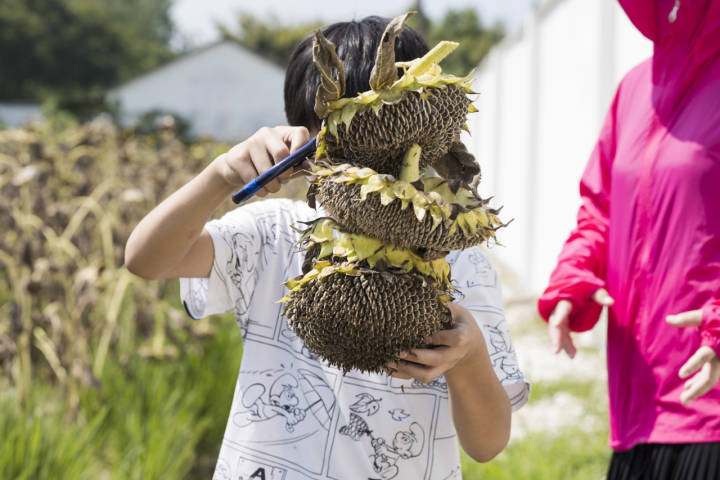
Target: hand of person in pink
(559, 322)
(704, 359)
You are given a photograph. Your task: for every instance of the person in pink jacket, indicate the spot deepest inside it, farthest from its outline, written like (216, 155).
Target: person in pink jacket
(647, 247)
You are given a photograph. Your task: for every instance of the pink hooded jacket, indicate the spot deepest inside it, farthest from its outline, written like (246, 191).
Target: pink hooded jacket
(649, 227)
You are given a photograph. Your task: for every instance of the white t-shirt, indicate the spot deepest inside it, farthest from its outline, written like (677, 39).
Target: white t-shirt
(293, 417)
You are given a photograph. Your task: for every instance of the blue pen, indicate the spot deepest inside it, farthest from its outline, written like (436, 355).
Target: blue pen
(269, 175)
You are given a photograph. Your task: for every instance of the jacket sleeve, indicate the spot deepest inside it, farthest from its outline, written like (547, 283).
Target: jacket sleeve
(710, 326)
(582, 263)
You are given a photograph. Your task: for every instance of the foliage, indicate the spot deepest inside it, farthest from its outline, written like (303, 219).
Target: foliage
(274, 40)
(568, 455)
(150, 420)
(102, 375)
(70, 196)
(465, 27)
(268, 38)
(579, 451)
(73, 49)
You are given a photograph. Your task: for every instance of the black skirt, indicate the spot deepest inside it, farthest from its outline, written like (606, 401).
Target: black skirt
(664, 461)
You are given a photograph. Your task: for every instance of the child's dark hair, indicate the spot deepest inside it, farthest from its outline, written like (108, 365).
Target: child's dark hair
(357, 44)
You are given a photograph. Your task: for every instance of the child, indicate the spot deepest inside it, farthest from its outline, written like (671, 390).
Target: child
(293, 416)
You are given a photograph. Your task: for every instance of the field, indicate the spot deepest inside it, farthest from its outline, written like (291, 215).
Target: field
(103, 376)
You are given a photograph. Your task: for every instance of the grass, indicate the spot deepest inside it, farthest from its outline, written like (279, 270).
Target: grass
(571, 454)
(576, 452)
(585, 390)
(150, 419)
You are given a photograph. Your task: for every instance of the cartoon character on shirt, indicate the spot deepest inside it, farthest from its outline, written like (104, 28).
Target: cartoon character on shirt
(282, 401)
(366, 404)
(497, 340)
(406, 444)
(508, 367)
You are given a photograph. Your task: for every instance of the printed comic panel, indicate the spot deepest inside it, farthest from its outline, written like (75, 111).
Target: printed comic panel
(386, 434)
(438, 386)
(446, 460)
(479, 271)
(500, 348)
(285, 412)
(248, 469)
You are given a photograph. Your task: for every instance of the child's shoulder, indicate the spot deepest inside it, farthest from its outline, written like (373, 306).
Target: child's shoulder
(475, 278)
(274, 210)
(279, 207)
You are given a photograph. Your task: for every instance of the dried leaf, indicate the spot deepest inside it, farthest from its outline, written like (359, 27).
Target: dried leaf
(332, 74)
(458, 164)
(384, 73)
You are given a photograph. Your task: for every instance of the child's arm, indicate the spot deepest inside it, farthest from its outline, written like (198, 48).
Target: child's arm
(170, 241)
(480, 405)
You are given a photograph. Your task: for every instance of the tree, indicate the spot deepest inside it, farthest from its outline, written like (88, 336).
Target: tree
(268, 38)
(464, 26)
(274, 40)
(74, 49)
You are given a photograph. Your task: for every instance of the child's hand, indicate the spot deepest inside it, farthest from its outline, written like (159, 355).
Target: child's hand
(451, 348)
(268, 146)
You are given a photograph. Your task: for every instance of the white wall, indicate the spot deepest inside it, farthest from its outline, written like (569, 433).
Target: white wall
(224, 90)
(543, 95)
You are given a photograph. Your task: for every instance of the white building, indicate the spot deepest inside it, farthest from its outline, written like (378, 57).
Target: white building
(544, 92)
(224, 90)
(16, 114)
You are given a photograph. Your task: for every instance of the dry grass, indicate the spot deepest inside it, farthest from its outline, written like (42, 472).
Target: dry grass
(69, 197)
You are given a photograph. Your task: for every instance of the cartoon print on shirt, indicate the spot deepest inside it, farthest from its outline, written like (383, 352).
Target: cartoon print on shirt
(366, 403)
(497, 340)
(501, 353)
(275, 239)
(483, 271)
(439, 384)
(398, 414)
(240, 265)
(289, 337)
(269, 241)
(261, 474)
(222, 470)
(284, 400)
(405, 444)
(508, 367)
(248, 469)
(241, 271)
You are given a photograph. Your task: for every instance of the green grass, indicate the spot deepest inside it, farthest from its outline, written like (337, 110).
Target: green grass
(577, 452)
(148, 420)
(571, 454)
(587, 391)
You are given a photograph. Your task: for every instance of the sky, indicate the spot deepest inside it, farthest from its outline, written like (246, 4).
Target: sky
(196, 19)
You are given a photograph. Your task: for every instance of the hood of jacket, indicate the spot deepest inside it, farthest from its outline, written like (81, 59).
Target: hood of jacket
(686, 38)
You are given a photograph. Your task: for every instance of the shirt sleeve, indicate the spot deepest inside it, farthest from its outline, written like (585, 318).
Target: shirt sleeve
(581, 267)
(480, 292)
(236, 267)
